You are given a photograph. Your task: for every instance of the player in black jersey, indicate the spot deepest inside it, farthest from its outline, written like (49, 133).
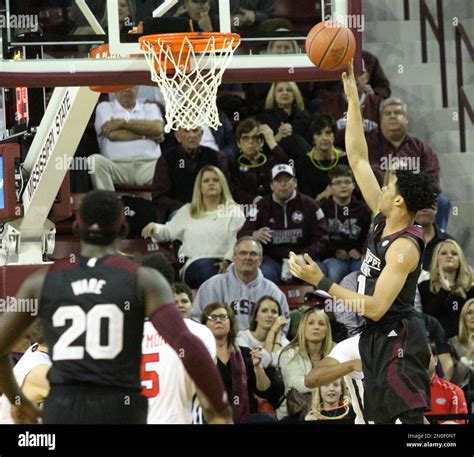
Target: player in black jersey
(93, 308)
(394, 352)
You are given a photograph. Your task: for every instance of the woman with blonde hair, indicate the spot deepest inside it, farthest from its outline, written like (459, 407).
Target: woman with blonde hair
(313, 342)
(449, 286)
(463, 348)
(331, 402)
(207, 228)
(285, 113)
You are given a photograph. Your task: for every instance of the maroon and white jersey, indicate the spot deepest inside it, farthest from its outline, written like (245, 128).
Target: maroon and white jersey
(374, 263)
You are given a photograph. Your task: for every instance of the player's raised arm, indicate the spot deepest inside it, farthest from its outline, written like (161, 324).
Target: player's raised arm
(164, 315)
(356, 145)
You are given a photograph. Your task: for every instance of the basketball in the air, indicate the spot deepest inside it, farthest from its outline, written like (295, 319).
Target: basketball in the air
(330, 45)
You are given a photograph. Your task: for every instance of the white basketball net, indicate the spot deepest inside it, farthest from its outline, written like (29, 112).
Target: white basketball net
(190, 98)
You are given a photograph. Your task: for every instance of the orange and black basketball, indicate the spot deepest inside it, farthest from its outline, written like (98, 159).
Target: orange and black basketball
(330, 45)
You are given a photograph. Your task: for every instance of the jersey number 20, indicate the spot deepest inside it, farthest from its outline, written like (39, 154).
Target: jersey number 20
(91, 324)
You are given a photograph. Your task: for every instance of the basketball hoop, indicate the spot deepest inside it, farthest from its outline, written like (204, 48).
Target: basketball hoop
(188, 68)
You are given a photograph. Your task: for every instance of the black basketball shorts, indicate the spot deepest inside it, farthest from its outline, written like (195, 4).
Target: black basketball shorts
(395, 360)
(91, 404)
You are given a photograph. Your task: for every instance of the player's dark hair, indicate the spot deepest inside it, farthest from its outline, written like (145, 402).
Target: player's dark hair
(340, 170)
(182, 288)
(319, 123)
(161, 264)
(253, 319)
(417, 189)
(100, 217)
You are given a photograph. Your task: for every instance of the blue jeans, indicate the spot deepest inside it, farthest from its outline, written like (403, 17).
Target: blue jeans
(199, 271)
(337, 269)
(271, 270)
(444, 210)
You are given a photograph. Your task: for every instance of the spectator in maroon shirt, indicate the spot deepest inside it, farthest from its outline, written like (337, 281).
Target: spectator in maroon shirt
(336, 104)
(176, 172)
(286, 221)
(259, 152)
(391, 147)
(349, 223)
(378, 82)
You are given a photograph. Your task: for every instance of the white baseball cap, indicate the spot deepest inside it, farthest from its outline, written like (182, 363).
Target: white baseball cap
(282, 168)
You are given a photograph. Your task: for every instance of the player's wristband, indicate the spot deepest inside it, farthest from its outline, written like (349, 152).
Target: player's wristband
(325, 284)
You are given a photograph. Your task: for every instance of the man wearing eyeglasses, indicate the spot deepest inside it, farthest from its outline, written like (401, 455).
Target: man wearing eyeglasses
(241, 286)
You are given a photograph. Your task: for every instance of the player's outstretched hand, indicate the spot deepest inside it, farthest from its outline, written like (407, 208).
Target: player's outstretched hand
(149, 230)
(307, 269)
(349, 82)
(25, 413)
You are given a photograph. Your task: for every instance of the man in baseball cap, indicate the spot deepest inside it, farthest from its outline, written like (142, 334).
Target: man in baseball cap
(286, 221)
(282, 168)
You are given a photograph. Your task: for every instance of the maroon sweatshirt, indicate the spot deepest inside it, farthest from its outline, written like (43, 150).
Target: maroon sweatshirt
(348, 225)
(382, 153)
(298, 226)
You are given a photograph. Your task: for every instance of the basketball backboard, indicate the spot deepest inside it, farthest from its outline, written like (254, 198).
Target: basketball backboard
(272, 47)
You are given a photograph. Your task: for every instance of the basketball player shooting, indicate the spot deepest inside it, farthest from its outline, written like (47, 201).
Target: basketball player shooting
(394, 352)
(93, 308)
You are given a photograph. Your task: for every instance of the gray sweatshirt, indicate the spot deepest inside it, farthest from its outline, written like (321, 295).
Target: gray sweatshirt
(229, 288)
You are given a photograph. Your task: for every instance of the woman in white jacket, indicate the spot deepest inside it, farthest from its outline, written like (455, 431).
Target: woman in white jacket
(207, 228)
(313, 342)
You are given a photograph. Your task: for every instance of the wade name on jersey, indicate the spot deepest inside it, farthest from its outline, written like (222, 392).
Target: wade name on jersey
(88, 286)
(371, 265)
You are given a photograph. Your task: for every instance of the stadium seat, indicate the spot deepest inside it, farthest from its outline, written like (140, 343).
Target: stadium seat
(136, 191)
